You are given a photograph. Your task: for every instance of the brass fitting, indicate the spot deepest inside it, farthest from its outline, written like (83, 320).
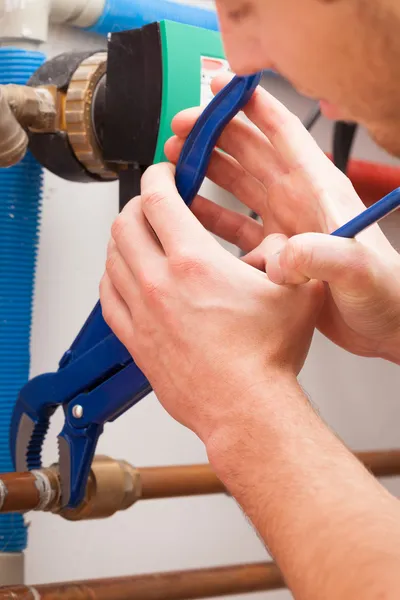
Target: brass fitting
(113, 485)
(33, 108)
(79, 115)
(13, 138)
(22, 107)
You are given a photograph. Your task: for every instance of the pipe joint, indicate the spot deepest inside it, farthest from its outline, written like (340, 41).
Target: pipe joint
(13, 138)
(113, 485)
(32, 107)
(23, 107)
(3, 493)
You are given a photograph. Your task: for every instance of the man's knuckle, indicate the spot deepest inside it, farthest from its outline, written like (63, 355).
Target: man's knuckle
(273, 239)
(153, 288)
(187, 263)
(298, 256)
(132, 208)
(102, 289)
(106, 308)
(108, 315)
(111, 263)
(118, 227)
(240, 231)
(153, 198)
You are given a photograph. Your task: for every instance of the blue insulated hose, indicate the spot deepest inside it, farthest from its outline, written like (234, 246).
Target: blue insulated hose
(20, 204)
(119, 15)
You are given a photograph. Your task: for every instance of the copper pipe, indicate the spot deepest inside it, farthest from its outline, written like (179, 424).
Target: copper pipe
(187, 480)
(115, 485)
(381, 464)
(178, 585)
(22, 492)
(192, 480)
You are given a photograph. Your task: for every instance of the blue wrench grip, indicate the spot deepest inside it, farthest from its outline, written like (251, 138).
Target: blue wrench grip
(197, 150)
(369, 217)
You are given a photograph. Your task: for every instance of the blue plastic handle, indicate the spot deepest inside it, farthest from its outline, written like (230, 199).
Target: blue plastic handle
(197, 150)
(369, 217)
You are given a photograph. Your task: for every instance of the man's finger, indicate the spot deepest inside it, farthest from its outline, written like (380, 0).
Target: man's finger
(265, 251)
(249, 146)
(283, 129)
(293, 143)
(347, 264)
(173, 223)
(227, 173)
(115, 311)
(134, 239)
(183, 122)
(235, 228)
(121, 276)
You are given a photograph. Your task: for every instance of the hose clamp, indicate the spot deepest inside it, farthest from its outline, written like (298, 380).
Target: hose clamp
(44, 487)
(3, 493)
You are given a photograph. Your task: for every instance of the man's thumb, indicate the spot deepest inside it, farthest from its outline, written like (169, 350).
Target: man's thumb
(319, 256)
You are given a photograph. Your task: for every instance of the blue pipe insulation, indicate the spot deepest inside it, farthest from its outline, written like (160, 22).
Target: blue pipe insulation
(20, 205)
(119, 15)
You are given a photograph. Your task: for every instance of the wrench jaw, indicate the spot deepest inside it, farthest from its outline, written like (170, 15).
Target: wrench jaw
(76, 448)
(27, 435)
(30, 422)
(31, 438)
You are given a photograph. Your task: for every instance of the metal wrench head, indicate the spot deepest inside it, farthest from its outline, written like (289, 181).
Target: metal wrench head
(30, 422)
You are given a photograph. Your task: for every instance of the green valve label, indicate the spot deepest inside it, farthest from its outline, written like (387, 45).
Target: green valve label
(191, 57)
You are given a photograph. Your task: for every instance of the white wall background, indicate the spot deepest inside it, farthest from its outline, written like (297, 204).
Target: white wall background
(359, 399)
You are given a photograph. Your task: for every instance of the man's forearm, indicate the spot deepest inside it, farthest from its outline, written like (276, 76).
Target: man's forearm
(334, 530)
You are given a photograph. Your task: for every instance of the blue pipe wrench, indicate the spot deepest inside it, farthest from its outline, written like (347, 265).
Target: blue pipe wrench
(97, 380)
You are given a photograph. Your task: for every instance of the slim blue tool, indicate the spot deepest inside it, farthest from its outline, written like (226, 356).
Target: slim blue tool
(196, 152)
(369, 217)
(97, 380)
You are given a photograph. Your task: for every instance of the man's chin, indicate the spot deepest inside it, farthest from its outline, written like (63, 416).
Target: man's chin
(387, 138)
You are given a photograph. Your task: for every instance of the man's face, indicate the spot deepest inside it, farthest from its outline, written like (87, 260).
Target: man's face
(344, 53)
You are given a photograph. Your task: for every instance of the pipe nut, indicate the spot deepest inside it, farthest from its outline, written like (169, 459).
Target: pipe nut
(113, 485)
(13, 138)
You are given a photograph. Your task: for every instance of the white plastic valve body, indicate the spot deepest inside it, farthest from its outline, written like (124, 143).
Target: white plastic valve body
(81, 13)
(24, 22)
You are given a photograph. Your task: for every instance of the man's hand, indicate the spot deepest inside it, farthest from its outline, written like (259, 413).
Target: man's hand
(221, 346)
(204, 327)
(276, 168)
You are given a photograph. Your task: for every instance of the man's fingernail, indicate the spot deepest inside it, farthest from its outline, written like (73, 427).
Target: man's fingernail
(274, 270)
